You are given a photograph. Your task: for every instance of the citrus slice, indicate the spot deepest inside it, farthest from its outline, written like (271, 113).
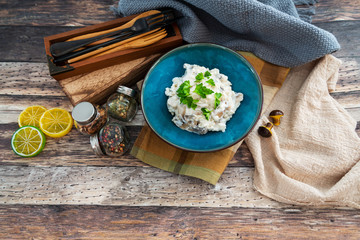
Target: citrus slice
(28, 141)
(56, 122)
(31, 116)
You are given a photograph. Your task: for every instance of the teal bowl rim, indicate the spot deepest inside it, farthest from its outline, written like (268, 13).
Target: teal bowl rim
(203, 44)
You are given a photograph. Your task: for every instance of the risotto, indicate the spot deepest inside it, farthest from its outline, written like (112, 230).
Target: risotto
(202, 100)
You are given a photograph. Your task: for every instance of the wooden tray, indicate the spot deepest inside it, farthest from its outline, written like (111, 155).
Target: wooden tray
(173, 40)
(95, 79)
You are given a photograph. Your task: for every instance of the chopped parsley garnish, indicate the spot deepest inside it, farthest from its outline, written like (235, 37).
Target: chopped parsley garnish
(211, 82)
(202, 90)
(199, 77)
(206, 112)
(183, 93)
(207, 74)
(217, 99)
(184, 90)
(189, 101)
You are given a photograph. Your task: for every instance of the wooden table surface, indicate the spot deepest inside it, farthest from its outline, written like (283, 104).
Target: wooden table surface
(68, 192)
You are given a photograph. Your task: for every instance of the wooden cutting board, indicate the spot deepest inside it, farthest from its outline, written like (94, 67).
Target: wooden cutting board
(96, 86)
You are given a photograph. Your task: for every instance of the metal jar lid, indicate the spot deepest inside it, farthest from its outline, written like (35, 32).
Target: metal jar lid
(84, 113)
(95, 145)
(127, 91)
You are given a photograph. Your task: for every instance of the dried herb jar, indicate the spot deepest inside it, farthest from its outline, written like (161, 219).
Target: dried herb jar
(112, 140)
(122, 105)
(89, 118)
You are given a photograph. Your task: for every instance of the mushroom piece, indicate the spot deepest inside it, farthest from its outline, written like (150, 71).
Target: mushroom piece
(276, 115)
(265, 131)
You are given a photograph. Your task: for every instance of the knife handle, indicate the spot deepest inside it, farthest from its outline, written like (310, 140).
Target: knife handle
(112, 46)
(91, 48)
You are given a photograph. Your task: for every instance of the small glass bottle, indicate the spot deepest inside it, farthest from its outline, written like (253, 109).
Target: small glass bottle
(88, 118)
(122, 105)
(112, 139)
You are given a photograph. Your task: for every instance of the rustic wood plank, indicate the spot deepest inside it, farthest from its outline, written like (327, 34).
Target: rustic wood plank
(128, 186)
(63, 154)
(60, 152)
(100, 222)
(24, 83)
(221, 214)
(350, 99)
(28, 78)
(56, 13)
(355, 113)
(76, 13)
(349, 75)
(11, 112)
(25, 43)
(334, 10)
(24, 78)
(347, 34)
(12, 105)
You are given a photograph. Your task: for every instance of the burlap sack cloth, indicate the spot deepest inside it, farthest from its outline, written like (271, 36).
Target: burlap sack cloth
(312, 157)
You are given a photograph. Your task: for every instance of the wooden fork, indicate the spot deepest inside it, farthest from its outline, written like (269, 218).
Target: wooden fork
(126, 25)
(139, 41)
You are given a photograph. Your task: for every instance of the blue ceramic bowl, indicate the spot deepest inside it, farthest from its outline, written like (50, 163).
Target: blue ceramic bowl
(240, 73)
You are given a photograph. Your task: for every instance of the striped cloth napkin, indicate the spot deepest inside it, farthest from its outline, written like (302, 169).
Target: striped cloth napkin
(152, 150)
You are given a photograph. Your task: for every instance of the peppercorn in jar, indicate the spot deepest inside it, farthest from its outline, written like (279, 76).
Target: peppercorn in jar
(112, 140)
(122, 105)
(89, 118)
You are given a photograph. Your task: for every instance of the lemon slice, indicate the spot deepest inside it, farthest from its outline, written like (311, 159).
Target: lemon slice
(31, 116)
(28, 141)
(56, 122)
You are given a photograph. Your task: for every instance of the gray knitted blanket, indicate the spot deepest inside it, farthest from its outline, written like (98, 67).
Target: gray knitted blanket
(271, 29)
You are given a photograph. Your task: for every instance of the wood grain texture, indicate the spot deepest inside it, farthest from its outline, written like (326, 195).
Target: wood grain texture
(333, 10)
(69, 193)
(29, 79)
(349, 75)
(25, 43)
(25, 78)
(130, 186)
(76, 13)
(106, 222)
(350, 98)
(25, 83)
(56, 13)
(346, 33)
(60, 152)
(127, 186)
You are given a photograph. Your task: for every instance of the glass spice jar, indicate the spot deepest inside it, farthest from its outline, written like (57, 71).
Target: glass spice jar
(112, 140)
(89, 118)
(122, 105)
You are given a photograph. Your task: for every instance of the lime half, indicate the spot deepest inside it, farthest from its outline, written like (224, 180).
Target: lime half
(28, 141)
